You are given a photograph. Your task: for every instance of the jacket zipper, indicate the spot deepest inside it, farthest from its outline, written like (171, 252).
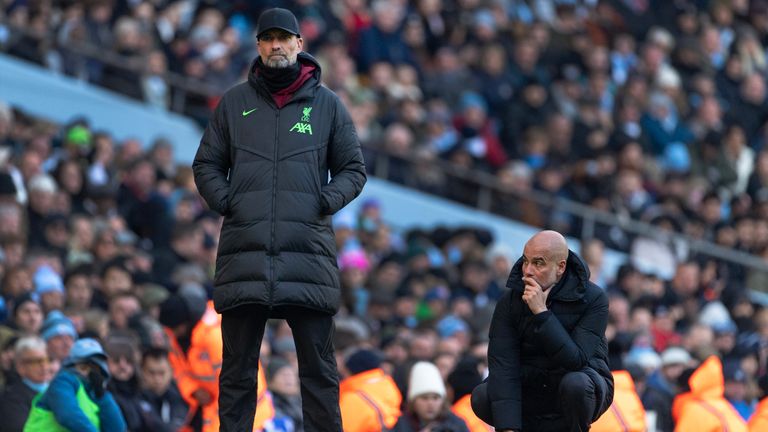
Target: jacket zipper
(273, 251)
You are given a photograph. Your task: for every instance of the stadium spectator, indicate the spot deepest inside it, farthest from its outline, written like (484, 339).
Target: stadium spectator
(426, 407)
(32, 365)
(77, 398)
(160, 391)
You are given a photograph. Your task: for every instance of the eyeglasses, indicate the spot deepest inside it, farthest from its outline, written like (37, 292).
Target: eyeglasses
(36, 361)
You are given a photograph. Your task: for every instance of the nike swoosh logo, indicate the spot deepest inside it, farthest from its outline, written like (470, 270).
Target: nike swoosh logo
(245, 113)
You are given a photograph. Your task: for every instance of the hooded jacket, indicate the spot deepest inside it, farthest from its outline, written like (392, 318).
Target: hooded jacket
(704, 408)
(759, 420)
(199, 367)
(369, 402)
(266, 169)
(626, 413)
(529, 354)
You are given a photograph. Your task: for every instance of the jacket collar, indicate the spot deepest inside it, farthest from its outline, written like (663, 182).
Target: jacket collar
(571, 287)
(305, 91)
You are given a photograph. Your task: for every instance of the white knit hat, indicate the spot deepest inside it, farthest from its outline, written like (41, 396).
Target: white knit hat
(424, 379)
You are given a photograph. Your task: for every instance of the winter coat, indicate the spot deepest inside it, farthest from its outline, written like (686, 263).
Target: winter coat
(169, 406)
(266, 170)
(704, 408)
(658, 397)
(15, 403)
(529, 354)
(448, 423)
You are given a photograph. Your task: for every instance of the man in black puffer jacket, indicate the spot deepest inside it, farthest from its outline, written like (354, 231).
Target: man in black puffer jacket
(264, 163)
(548, 355)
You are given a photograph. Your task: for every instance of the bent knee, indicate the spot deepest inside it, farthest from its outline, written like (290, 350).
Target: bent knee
(576, 384)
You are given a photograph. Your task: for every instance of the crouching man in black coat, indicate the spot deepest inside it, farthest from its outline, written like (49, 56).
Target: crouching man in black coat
(547, 353)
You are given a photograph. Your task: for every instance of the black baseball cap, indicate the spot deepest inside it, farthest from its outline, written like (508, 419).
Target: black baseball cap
(277, 18)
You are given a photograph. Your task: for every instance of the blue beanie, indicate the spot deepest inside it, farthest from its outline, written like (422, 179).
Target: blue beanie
(56, 324)
(47, 280)
(363, 360)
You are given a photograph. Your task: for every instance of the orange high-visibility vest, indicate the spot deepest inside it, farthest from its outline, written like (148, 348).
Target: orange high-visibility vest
(368, 401)
(200, 369)
(759, 419)
(463, 409)
(626, 413)
(704, 408)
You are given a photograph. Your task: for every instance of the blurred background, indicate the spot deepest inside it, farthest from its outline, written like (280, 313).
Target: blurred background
(637, 128)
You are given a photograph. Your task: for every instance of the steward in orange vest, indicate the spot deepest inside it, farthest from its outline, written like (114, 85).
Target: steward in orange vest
(759, 420)
(626, 413)
(462, 380)
(369, 398)
(704, 408)
(195, 354)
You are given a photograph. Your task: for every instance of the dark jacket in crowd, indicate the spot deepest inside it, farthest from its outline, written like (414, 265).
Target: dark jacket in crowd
(658, 397)
(288, 407)
(277, 247)
(15, 403)
(446, 423)
(169, 407)
(529, 354)
(138, 413)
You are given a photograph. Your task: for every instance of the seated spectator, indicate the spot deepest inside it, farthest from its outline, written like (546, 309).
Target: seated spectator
(427, 408)
(31, 361)
(736, 389)
(59, 334)
(283, 383)
(77, 398)
(661, 386)
(124, 385)
(50, 288)
(462, 380)
(27, 315)
(160, 391)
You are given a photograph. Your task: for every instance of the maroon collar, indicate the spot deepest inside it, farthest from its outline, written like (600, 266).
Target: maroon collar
(282, 97)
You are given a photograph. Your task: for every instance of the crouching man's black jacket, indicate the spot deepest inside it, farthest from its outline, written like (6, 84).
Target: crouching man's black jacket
(529, 354)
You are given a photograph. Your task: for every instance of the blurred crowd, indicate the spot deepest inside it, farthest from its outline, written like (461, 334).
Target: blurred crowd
(654, 112)
(651, 110)
(109, 240)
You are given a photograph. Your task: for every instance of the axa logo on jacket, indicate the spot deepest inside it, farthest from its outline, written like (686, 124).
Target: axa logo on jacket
(303, 126)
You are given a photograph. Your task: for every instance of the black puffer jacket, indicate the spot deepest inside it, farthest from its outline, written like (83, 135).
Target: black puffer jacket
(266, 169)
(529, 354)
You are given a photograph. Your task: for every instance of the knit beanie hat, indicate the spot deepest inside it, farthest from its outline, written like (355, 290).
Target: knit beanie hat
(174, 311)
(47, 280)
(363, 360)
(425, 379)
(464, 377)
(57, 324)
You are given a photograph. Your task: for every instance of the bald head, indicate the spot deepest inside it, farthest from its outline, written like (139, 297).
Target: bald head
(551, 241)
(544, 258)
